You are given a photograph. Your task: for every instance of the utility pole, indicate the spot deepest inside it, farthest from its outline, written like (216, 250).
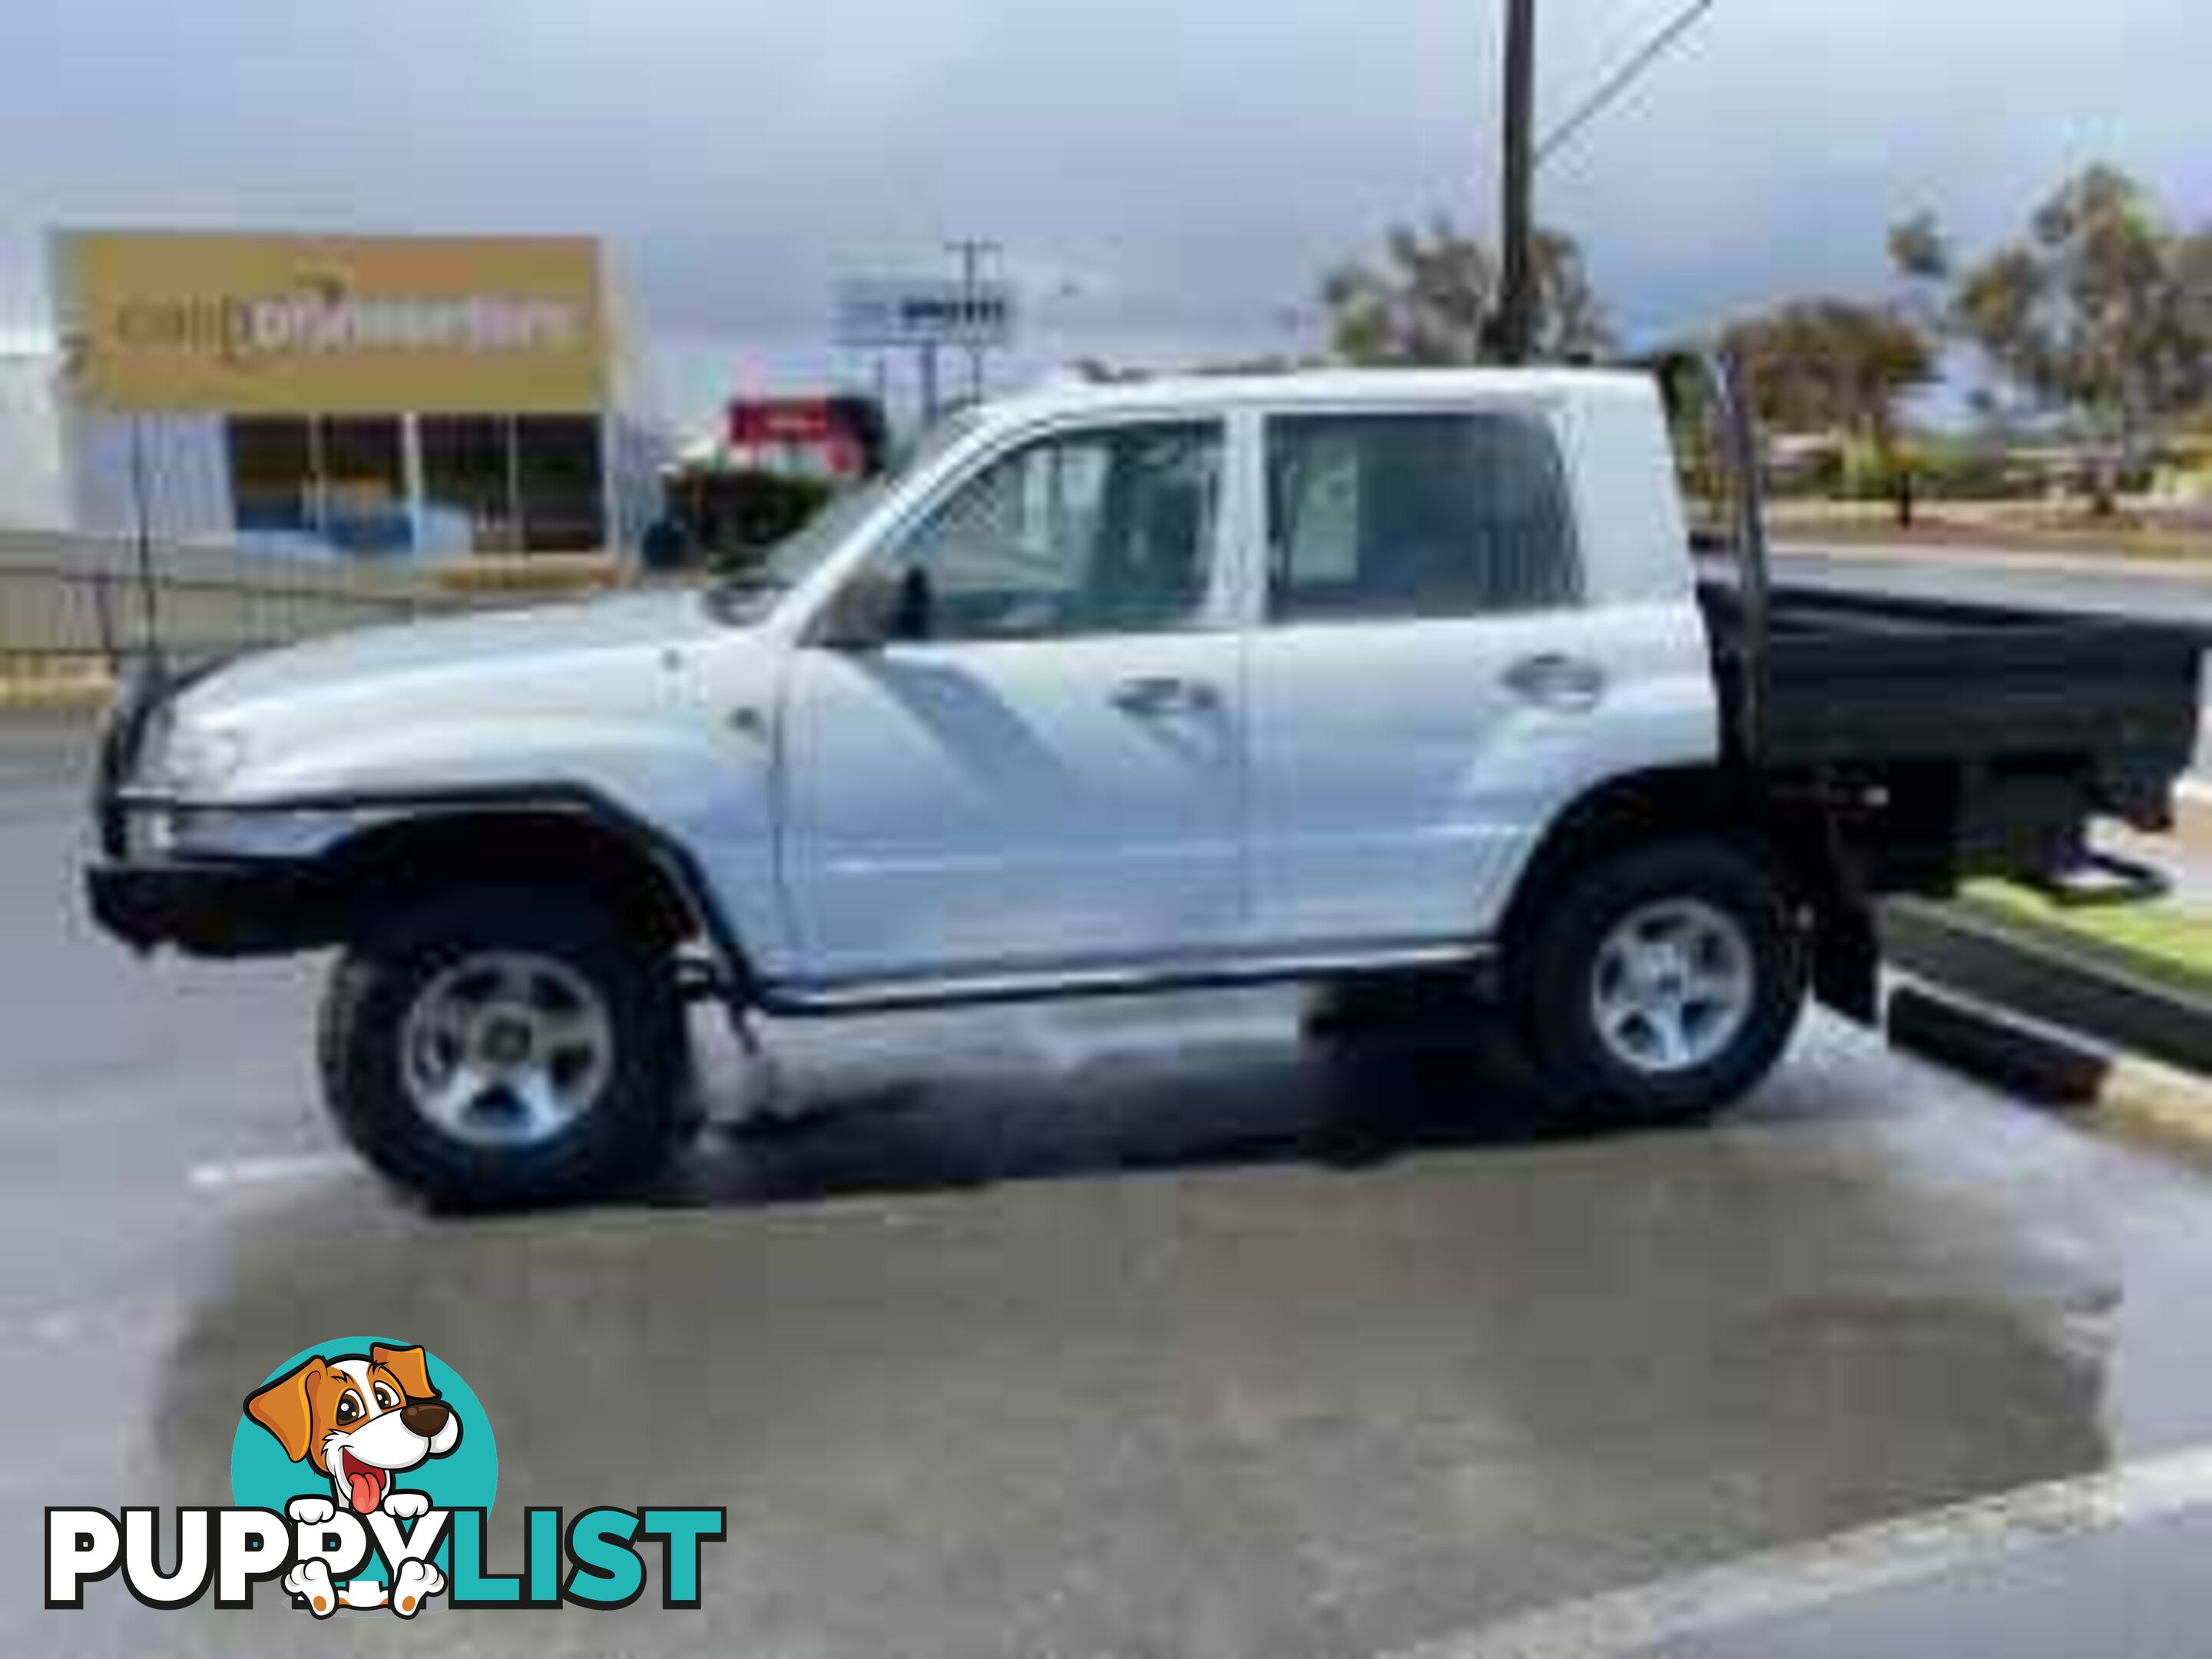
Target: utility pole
(1516, 300)
(142, 516)
(972, 253)
(929, 390)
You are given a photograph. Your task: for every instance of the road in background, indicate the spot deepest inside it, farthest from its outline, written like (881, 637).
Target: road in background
(1137, 1327)
(2150, 589)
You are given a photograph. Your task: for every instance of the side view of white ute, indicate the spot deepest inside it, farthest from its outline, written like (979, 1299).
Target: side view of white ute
(1122, 688)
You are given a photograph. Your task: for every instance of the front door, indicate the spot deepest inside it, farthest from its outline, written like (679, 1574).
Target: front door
(1043, 775)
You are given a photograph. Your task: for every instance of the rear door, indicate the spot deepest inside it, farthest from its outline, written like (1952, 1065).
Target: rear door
(1434, 674)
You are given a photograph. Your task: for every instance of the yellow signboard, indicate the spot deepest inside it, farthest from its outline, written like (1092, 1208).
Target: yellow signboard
(250, 325)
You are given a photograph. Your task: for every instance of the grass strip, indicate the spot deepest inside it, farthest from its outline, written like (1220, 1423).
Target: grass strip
(2161, 941)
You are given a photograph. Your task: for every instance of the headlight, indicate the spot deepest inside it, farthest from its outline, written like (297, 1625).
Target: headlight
(195, 760)
(148, 833)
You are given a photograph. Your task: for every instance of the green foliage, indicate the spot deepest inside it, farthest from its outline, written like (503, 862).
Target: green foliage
(1431, 297)
(1869, 473)
(1940, 469)
(2167, 942)
(1972, 473)
(1829, 365)
(2097, 311)
(1817, 475)
(1919, 250)
(755, 510)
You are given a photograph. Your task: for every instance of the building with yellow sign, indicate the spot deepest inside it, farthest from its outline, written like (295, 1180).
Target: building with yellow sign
(369, 394)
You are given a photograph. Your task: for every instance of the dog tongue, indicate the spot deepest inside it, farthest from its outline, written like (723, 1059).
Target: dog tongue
(365, 1484)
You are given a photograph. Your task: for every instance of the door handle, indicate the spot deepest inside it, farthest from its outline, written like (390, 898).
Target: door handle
(1160, 696)
(1554, 680)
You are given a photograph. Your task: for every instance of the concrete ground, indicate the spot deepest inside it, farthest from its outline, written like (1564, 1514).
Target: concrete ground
(1131, 1329)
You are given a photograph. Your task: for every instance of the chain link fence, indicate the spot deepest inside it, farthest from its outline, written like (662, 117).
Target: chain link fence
(72, 607)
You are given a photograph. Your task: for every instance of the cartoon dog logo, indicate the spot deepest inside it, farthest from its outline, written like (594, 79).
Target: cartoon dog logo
(362, 1420)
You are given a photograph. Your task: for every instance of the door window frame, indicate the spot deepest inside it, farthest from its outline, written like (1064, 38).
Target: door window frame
(1545, 419)
(1218, 610)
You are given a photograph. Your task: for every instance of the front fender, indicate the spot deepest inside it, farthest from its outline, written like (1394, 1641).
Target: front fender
(708, 793)
(705, 802)
(676, 775)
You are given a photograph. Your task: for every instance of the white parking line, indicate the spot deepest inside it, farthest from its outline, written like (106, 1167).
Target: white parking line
(1800, 1579)
(262, 1171)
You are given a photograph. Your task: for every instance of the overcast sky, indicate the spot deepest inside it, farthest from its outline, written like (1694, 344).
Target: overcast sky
(1169, 175)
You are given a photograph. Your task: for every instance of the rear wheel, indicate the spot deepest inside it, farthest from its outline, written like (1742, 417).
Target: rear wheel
(506, 1047)
(1661, 983)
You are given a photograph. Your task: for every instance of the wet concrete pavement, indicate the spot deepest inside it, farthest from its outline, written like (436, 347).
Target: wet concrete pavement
(1131, 1329)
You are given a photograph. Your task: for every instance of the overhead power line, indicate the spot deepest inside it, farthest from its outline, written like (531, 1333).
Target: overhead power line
(1621, 79)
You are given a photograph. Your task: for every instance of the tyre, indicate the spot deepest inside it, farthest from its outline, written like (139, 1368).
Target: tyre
(507, 1047)
(1660, 983)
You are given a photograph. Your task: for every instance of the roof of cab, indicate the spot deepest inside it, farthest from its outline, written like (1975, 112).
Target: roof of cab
(1333, 387)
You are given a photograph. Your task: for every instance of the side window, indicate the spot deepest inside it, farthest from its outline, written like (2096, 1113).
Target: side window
(1415, 515)
(1107, 530)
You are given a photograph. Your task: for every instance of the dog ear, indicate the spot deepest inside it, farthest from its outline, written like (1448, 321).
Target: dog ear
(411, 1366)
(285, 1407)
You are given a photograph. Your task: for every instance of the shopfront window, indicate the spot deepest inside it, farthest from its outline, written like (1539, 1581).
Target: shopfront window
(364, 479)
(272, 476)
(468, 484)
(501, 486)
(342, 482)
(562, 487)
(489, 484)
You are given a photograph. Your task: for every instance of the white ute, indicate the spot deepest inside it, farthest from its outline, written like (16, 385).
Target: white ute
(1113, 688)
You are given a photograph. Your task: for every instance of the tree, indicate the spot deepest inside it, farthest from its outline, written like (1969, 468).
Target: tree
(2098, 312)
(1921, 254)
(1431, 297)
(1918, 248)
(2192, 266)
(1831, 365)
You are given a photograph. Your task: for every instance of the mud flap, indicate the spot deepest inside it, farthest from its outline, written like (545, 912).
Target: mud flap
(1847, 962)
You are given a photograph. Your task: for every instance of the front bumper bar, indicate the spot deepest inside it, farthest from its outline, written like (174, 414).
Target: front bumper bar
(143, 693)
(211, 908)
(208, 907)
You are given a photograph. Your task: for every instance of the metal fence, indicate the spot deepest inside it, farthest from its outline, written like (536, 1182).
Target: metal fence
(69, 605)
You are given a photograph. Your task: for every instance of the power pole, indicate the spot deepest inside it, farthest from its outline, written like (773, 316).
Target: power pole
(972, 253)
(929, 392)
(141, 517)
(1516, 300)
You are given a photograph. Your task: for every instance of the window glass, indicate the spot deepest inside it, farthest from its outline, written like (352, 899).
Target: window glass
(560, 483)
(272, 474)
(339, 480)
(1109, 531)
(468, 484)
(365, 484)
(1415, 515)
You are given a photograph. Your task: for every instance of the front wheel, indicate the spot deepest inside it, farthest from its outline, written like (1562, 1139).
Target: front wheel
(506, 1047)
(1660, 983)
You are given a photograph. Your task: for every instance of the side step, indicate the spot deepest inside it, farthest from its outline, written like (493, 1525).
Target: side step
(915, 993)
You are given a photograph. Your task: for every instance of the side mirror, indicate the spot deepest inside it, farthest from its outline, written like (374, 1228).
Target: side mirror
(879, 606)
